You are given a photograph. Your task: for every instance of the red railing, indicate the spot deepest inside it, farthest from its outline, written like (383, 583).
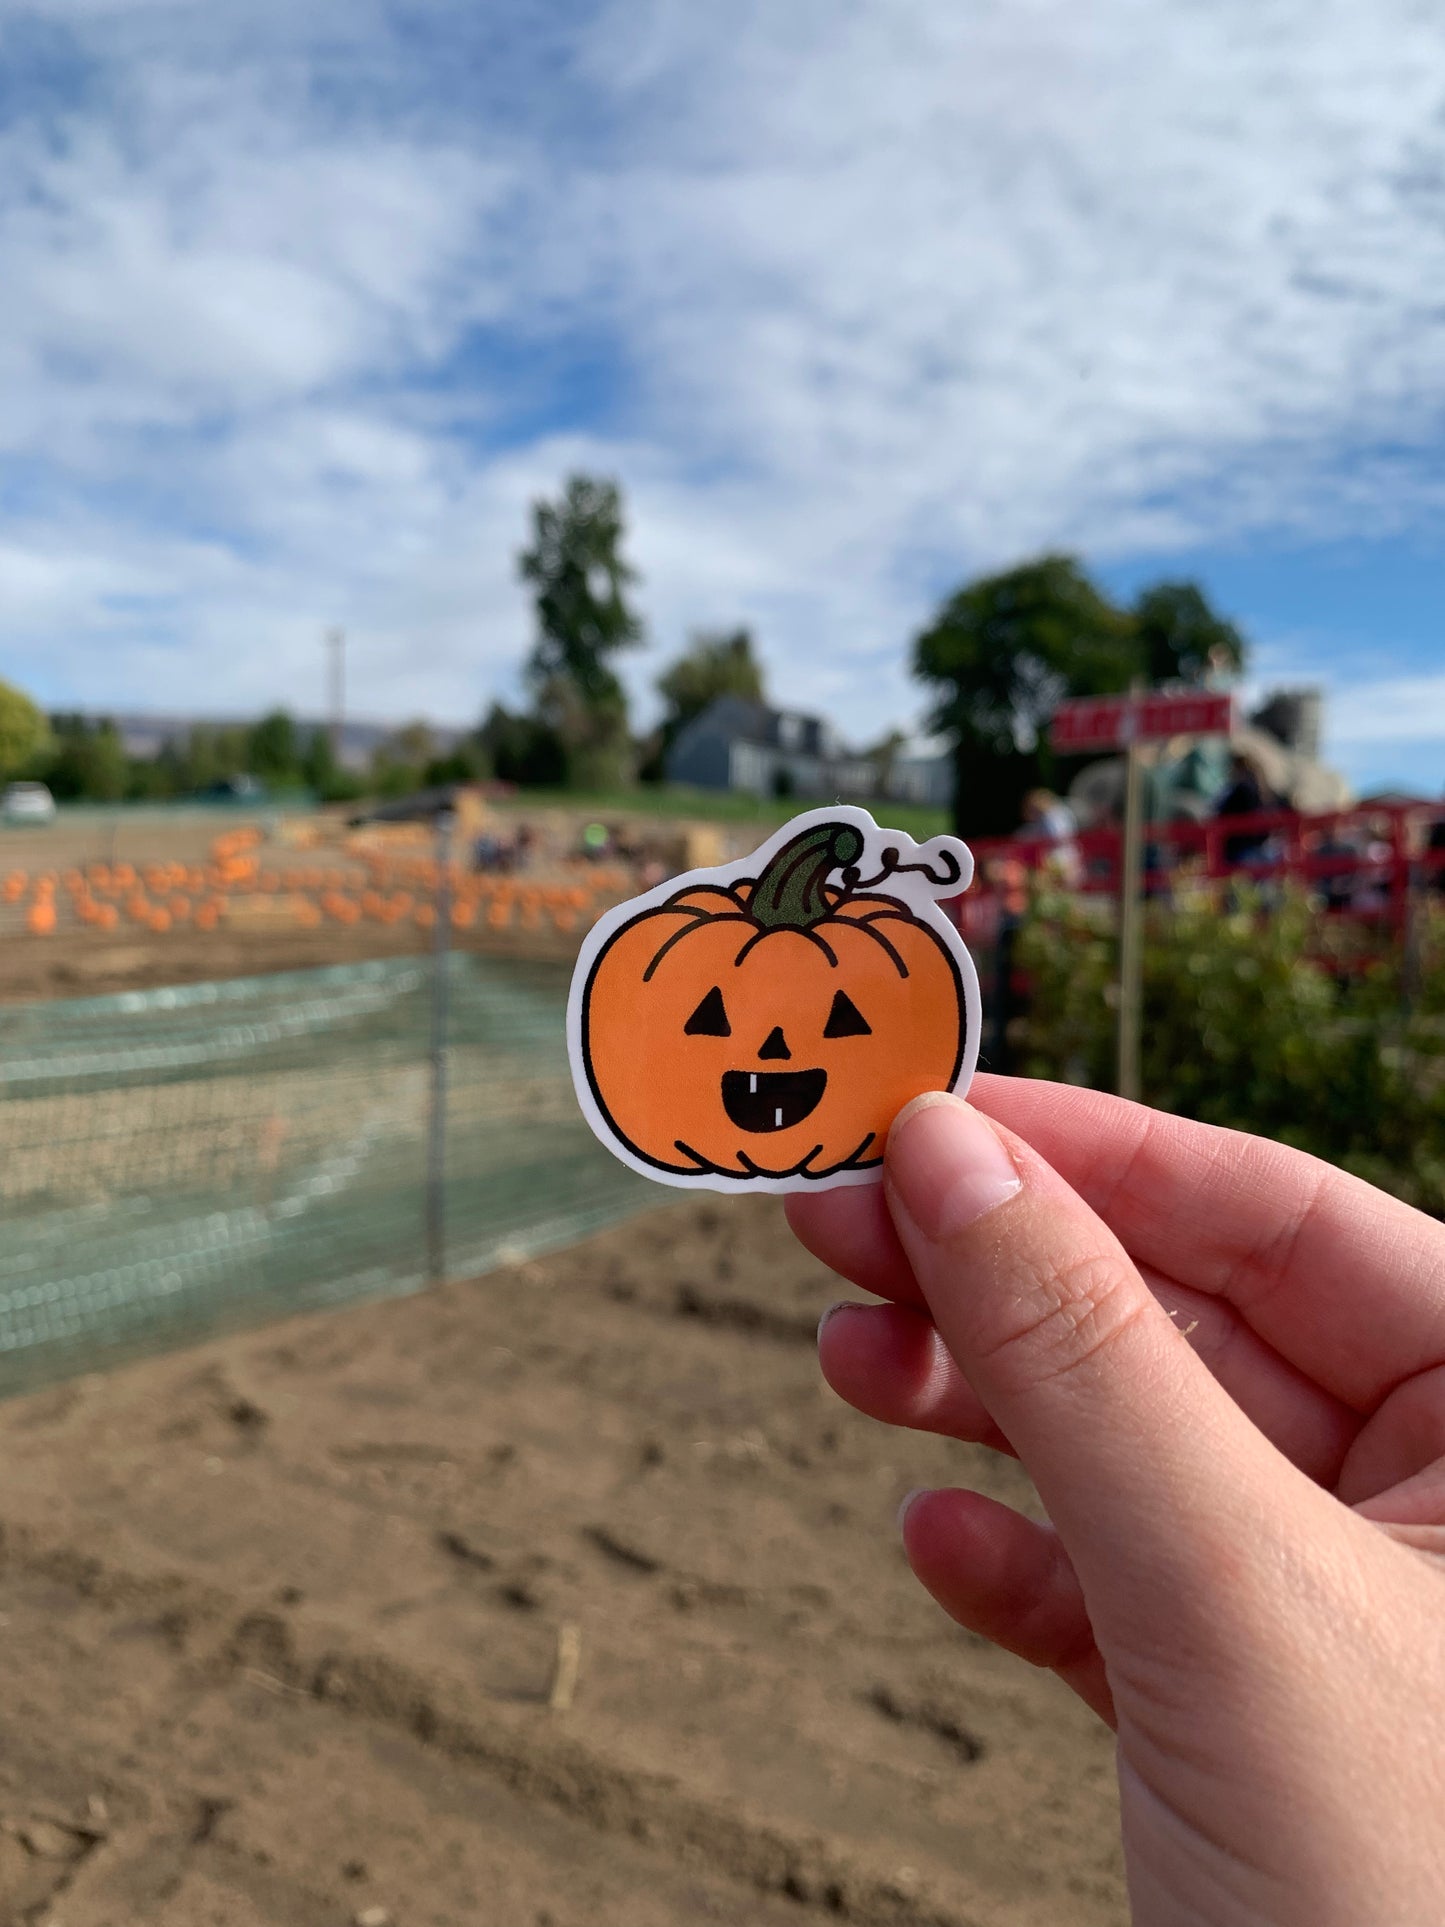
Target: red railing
(1361, 863)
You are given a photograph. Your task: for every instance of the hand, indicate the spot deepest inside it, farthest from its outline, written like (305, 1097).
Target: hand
(1223, 1365)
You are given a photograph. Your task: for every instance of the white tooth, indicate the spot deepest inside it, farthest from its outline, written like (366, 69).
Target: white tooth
(777, 1120)
(753, 1085)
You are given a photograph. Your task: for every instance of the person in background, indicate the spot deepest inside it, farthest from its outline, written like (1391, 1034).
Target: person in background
(1048, 819)
(1245, 794)
(1047, 815)
(1346, 845)
(1006, 890)
(490, 853)
(596, 842)
(1435, 855)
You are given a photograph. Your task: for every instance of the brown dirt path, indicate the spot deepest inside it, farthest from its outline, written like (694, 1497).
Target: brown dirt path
(282, 1614)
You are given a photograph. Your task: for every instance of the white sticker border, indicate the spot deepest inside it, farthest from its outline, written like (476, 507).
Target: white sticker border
(912, 888)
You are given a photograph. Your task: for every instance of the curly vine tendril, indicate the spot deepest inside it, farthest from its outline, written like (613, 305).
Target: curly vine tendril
(893, 865)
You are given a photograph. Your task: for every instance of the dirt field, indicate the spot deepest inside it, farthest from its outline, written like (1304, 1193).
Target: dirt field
(283, 1615)
(286, 1614)
(95, 964)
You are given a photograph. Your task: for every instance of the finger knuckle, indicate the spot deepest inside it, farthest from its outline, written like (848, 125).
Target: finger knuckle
(1063, 1319)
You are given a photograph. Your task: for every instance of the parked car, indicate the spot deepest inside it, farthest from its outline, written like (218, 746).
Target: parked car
(25, 803)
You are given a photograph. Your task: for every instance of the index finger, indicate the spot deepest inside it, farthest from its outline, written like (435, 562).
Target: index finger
(1341, 1279)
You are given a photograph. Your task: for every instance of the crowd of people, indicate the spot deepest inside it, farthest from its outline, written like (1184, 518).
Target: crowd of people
(1348, 859)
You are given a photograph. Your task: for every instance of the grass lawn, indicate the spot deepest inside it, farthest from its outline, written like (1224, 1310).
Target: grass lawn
(719, 806)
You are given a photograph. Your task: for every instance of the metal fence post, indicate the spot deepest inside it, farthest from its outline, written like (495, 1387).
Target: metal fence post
(436, 1143)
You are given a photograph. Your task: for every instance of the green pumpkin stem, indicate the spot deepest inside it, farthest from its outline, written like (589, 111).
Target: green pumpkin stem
(791, 893)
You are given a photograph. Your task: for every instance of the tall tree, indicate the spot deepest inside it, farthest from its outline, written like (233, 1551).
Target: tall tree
(1000, 654)
(580, 582)
(24, 732)
(1181, 638)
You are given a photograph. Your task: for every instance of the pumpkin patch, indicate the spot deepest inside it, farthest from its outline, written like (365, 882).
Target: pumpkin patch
(762, 1024)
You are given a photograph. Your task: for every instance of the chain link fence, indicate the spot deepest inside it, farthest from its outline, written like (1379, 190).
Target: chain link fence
(178, 1162)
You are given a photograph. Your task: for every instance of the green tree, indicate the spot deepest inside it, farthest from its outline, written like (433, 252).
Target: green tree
(399, 763)
(205, 756)
(272, 750)
(1000, 654)
(584, 618)
(1181, 638)
(713, 665)
(88, 760)
(580, 584)
(319, 768)
(413, 743)
(322, 774)
(594, 736)
(522, 749)
(24, 732)
(465, 762)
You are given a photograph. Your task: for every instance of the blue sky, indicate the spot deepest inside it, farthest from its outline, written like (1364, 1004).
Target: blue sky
(304, 305)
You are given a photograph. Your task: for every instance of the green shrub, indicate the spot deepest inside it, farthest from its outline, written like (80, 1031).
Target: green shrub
(1265, 1018)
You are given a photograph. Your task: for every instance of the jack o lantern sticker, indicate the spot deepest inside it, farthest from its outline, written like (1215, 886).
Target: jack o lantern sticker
(758, 1026)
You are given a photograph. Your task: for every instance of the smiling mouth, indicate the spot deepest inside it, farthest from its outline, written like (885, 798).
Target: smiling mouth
(771, 1100)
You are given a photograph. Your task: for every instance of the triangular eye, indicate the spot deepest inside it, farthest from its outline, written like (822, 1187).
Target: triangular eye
(845, 1019)
(710, 1019)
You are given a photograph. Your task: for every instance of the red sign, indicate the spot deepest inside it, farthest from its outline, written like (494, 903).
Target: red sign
(1111, 722)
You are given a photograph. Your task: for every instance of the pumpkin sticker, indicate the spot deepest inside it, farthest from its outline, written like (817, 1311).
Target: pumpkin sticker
(759, 1025)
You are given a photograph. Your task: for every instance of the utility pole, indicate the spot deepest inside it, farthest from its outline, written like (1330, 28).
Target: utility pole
(336, 685)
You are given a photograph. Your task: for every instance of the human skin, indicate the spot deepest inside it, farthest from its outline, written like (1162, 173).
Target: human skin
(1223, 1365)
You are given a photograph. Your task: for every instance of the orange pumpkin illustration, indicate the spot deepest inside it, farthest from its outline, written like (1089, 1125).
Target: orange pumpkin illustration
(765, 1030)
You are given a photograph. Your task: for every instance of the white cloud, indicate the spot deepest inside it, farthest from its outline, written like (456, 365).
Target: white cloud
(893, 289)
(1397, 709)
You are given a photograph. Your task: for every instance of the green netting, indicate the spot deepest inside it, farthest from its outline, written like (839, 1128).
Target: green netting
(175, 1162)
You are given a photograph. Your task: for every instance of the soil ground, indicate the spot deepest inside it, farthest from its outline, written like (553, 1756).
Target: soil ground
(95, 964)
(284, 1613)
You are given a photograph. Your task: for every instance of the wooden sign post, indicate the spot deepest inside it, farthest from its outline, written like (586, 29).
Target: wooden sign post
(1130, 723)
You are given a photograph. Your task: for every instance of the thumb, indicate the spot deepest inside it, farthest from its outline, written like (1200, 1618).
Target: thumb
(1150, 1472)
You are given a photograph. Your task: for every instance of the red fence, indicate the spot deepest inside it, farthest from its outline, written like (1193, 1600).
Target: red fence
(1362, 863)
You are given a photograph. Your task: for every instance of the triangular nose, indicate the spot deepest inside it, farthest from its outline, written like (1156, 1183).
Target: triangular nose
(776, 1045)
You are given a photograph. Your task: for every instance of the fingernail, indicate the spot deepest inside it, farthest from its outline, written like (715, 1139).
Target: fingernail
(843, 1304)
(946, 1167)
(918, 1492)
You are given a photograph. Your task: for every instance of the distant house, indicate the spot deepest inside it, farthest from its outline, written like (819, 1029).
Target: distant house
(738, 744)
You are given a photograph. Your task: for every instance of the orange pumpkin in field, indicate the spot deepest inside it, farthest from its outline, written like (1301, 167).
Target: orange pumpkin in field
(772, 1028)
